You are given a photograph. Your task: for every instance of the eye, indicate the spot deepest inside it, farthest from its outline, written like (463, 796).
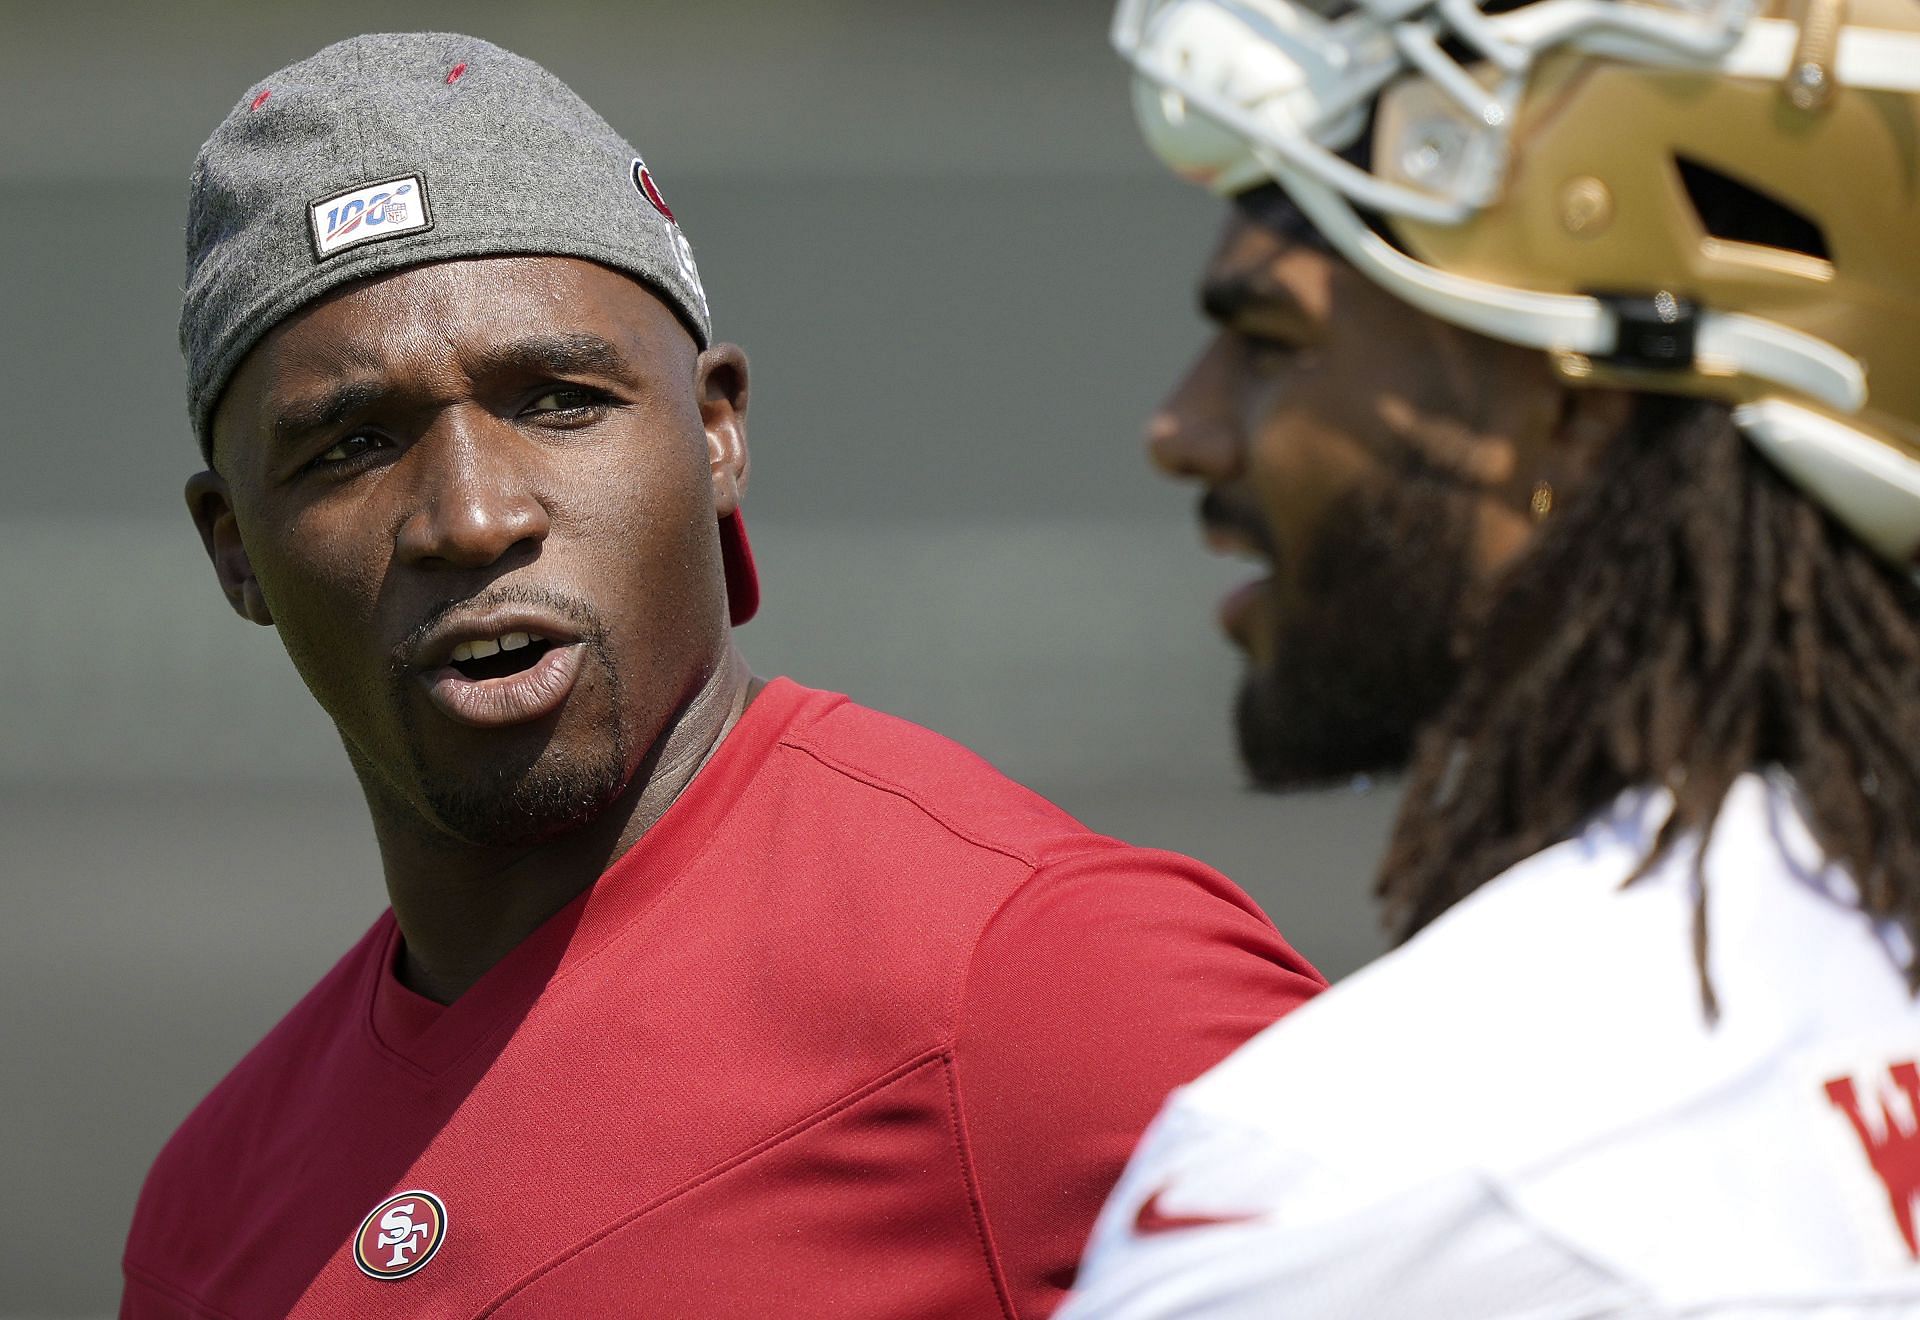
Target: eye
(1267, 352)
(347, 450)
(566, 403)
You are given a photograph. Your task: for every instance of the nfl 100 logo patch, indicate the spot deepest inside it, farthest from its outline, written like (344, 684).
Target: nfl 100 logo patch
(369, 213)
(400, 1235)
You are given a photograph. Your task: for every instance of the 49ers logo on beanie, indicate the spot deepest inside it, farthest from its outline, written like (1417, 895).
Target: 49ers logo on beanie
(682, 250)
(643, 180)
(399, 1236)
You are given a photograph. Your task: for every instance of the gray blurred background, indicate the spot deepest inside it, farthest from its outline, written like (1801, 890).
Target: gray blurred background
(963, 284)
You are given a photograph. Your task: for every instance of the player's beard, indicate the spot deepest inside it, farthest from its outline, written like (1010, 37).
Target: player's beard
(512, 805)
(526, 798)
(1370, 658)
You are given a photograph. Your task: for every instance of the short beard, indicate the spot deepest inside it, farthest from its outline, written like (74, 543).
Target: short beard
(525, 801)
(1357, 672)
(521, 805)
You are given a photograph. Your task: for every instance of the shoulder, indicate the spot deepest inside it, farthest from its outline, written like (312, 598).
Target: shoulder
(1147, 931)
(924, 800)
(900, 875)
(1073, 886)
(862, 754)
(1554, 970)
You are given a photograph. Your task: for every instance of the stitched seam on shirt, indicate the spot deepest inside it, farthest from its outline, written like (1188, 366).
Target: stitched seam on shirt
(367, 993)
(173, 1290)
(907, 795)
(1088, 844)
(780, 1138)
(964, 1153)
(1619, 1277)
(618, 933)
(954, 1017)
(560, 974)
(973, 952)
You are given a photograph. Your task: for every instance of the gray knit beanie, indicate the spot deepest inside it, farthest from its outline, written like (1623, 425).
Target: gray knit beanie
(395, 149)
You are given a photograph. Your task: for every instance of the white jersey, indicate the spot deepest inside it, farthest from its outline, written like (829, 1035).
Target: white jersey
(1524, 1113)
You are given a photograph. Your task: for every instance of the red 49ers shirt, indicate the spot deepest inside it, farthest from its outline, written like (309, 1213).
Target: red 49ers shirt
(859, 1028)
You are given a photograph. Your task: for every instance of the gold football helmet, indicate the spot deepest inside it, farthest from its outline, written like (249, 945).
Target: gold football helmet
(1709, 197)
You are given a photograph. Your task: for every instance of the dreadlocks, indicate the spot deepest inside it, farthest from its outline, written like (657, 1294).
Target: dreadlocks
(1687, 617)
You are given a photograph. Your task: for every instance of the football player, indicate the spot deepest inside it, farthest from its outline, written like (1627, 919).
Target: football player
(699, 994)
(1650, 1045)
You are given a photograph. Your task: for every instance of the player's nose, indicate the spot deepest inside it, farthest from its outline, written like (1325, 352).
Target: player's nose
(475, 498)
(1196, 432)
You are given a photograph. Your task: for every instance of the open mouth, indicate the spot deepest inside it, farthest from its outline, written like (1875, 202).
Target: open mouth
(509, 678)
(515, 653)
(1232, 526)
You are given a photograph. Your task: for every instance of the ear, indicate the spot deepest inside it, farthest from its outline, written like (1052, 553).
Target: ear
(1589, 420)
(1571, 426)
(212, 511)
(720, 384)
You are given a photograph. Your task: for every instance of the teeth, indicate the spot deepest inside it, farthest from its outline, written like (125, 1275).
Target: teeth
(480, 650)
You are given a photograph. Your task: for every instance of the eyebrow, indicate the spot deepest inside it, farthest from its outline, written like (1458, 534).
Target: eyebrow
(1225, 299)
(575, 352)
(301, 417)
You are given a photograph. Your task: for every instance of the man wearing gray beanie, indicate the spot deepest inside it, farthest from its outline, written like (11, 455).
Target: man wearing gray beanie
(699, 994)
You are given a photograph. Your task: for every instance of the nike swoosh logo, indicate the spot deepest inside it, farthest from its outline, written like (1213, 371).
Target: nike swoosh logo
(1151, 1219)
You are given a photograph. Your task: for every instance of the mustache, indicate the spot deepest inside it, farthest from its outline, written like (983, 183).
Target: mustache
(571, 608)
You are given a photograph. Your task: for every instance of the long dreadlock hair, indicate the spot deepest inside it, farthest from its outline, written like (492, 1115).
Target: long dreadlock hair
(1687, 616)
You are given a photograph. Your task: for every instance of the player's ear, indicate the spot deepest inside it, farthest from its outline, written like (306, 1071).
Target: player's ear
(1589, 419)
(212, 511)
(720, 384)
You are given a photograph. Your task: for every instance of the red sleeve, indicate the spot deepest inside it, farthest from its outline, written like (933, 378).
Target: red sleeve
(1110, 978)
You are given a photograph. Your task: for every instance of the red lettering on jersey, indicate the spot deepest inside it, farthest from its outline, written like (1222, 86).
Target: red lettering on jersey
(1892, 1150)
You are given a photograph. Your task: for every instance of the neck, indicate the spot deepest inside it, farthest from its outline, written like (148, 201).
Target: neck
(462, 907)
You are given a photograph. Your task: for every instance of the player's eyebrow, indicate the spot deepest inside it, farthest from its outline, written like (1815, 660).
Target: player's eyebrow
(300, 417)
(1228, 297)
(559, 354)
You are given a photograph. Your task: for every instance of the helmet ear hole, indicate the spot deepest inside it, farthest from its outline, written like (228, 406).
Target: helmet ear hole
(1734, 212)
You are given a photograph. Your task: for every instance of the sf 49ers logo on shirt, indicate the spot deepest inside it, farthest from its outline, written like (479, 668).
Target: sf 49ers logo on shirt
(1887, 1121)
(399, 1236)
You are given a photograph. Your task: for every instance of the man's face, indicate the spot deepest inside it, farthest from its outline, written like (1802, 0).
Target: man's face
(479, 500)
(1379, 464)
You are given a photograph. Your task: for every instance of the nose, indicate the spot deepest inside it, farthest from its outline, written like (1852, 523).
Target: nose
(1197, 432)
(475, 500)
